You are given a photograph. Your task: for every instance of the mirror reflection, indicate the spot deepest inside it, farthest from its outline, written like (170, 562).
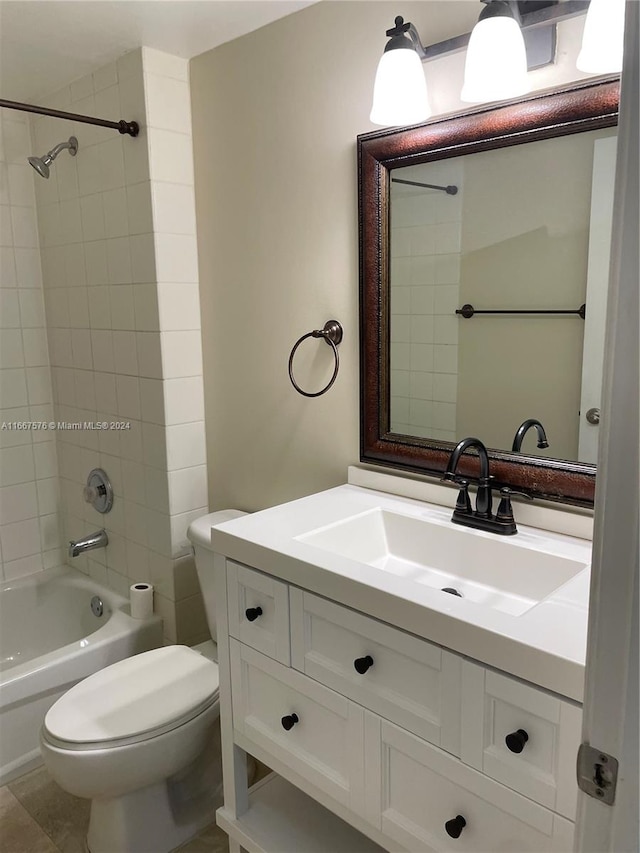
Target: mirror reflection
(510, 232)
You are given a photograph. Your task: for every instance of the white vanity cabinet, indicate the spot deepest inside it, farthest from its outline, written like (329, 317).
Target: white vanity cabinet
(390, 741)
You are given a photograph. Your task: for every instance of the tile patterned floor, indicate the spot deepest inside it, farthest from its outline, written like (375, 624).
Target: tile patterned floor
(37, 816)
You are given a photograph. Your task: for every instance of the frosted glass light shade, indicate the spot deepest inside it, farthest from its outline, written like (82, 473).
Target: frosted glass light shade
(400, 89)
(496, 66)
(603, 38)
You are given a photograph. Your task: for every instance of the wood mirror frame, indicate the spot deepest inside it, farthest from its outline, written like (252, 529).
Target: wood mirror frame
(585, 106)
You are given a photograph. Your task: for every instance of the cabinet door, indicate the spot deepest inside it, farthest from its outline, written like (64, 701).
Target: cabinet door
(258, 611)
(522, 736)
(313, 730)
(408, 680)
(427, 800)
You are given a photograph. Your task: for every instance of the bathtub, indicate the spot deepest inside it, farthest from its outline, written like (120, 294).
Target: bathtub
(49, 640)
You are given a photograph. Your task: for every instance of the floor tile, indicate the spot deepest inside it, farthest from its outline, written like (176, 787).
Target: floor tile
(63, 817)
(20, 833)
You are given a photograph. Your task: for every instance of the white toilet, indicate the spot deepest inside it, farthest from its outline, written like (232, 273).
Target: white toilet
(139, 738)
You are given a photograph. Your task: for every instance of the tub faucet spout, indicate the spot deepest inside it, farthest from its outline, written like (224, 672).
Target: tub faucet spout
(99, 539)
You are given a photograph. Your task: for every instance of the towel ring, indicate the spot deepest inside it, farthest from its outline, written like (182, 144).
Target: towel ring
(332, 334)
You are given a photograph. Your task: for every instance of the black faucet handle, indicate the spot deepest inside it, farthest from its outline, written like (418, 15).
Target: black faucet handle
(463, 501)
(505, 510)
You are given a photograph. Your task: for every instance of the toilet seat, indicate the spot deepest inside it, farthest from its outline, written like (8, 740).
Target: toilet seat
(133, 700)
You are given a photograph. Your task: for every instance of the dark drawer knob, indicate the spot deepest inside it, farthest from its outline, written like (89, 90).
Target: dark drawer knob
(455, 826)
(252, 613)
(363, 664)
(289, 721)
(516, 740)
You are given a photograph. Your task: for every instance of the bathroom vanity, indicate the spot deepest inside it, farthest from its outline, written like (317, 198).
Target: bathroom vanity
(396, 715)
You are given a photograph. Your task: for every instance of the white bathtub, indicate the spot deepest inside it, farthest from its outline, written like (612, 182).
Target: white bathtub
(49, 640)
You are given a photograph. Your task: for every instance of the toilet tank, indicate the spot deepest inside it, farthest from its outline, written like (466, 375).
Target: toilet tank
(199, 534)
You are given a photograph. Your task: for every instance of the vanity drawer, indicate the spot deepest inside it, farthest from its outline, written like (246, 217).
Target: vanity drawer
(409, 681)
(413, 789)
(501, 714)
(258, 611)
(316, 732)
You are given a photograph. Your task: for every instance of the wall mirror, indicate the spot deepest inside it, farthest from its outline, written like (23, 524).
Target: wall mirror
(484, 253)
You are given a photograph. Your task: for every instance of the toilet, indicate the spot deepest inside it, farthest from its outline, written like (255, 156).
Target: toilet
(140, 738)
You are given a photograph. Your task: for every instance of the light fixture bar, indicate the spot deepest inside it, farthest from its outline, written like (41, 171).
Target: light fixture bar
(539, 18)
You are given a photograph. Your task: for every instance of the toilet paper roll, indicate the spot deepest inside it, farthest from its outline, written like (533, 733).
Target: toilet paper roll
(141, 599)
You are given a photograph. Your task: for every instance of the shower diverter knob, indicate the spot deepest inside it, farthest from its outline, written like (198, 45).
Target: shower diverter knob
(98, 491)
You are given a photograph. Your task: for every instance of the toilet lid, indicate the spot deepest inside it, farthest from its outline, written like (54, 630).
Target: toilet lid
(135, 697)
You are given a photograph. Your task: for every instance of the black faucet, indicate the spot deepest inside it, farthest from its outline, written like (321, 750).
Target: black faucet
(524, 427)
(482, 517)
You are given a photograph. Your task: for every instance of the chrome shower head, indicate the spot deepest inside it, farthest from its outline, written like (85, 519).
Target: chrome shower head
(41, 164)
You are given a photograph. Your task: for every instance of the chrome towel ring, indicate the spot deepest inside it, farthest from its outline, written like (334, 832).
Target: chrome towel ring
(332, 334)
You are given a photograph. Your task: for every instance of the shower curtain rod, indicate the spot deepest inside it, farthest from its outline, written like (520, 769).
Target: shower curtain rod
(125, 127)
(450, 190)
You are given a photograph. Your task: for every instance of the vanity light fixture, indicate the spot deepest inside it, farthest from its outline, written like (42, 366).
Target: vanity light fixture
(496, 64)
(400, 89)
(603, 38)
(518, 26)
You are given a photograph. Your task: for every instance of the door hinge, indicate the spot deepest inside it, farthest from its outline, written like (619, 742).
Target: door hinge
(597, 773)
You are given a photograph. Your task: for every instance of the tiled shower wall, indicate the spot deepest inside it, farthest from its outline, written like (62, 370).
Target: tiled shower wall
(425, 283)
(29, 525)
(117, 229)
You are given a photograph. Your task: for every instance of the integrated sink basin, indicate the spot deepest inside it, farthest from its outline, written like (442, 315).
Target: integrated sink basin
(485, 569)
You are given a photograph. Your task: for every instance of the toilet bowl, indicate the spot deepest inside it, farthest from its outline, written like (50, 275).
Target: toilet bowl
(140, 738)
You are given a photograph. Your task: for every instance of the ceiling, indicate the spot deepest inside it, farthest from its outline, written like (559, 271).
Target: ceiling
(45, 44)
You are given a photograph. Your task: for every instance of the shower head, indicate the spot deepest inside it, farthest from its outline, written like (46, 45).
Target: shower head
(41, 164)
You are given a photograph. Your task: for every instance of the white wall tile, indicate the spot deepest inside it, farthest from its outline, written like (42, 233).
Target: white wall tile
(44, 455)
(139, 208)
(7, 267)
(170, 157)
(128, 392)
(168, 103)
(18, 503)
(17, 465)
(92, 211)
(179, 307)
(11, 348)
(149, 354)
(25, 229)
(100, 308)
(105, 392)
(102, 349)
(186, 446)
(165, 64)
(154, 446)
(125, 356)
(122, 310)
(152, 400)
(116, 218)
(38, 385)
(143, 261)
(31, 308)
(9, 309)
(179, 526)
(181, 354)
(13, 388)
(21, 539)
(176, 258)
(20, 182)
(187, 489)
(173, 208)
(28, 269)
(145, 298)
(95, 254)
(183, 400)
(119, 261)
(157, 489)
(78, 307)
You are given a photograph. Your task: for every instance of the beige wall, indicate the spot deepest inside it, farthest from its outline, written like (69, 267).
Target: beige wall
(275, 119)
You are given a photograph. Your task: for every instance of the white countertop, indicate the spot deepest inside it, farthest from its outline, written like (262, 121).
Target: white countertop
(546, 645)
